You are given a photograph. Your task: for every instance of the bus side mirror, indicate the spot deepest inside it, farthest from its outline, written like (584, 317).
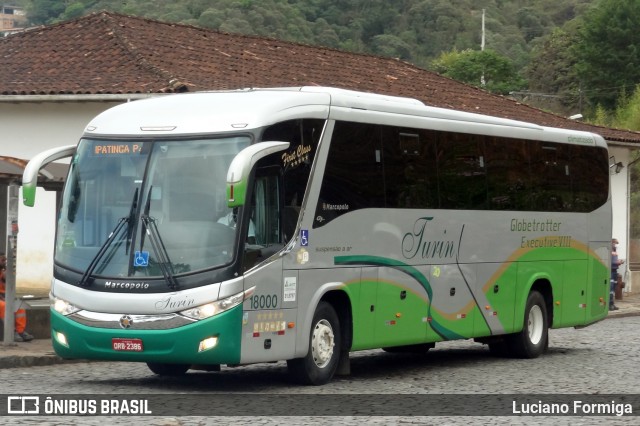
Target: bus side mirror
(30, 174)
(241, 166)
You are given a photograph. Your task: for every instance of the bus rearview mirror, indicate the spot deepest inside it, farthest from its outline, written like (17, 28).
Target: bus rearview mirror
(241, 166)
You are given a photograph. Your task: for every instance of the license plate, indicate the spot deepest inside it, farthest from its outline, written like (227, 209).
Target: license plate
(127, 345)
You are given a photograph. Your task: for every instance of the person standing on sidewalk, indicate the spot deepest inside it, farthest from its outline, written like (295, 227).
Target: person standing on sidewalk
(20, 334)
(615, 263)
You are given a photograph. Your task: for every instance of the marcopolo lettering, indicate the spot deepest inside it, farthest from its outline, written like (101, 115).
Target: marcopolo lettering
(111, 285)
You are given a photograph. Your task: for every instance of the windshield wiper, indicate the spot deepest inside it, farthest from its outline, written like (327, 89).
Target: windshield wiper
(132, 215)
(111, 238)
(149, 228)
(145, 213)
(166, 267)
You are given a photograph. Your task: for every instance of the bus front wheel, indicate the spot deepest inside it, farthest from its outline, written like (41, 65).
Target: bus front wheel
(531, 342)
(321, 361)
(162, 369)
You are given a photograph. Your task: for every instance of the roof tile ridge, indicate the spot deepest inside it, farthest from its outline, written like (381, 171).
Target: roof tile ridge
(114, 22)
(257, 37)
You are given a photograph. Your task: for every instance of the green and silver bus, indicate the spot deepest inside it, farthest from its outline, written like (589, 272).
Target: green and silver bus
(301, 224)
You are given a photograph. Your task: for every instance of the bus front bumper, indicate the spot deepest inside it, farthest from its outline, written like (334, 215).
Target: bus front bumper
(215, 340)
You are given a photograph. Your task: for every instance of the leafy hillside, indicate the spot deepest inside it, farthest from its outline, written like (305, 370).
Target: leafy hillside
(533, 48)
(413, 30)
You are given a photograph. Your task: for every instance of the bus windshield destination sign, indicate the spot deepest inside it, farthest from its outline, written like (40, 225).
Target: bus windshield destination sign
(126, 148)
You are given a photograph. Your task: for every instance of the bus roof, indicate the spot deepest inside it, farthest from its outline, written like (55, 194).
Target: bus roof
(237, 110)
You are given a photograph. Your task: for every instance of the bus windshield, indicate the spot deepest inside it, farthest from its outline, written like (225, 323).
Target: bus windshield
(147, 208)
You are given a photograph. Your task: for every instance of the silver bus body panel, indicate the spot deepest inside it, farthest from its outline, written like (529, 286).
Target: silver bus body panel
(144, 304)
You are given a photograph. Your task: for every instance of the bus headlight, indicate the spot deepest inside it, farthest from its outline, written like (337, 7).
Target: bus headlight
(214, 308)
(62, 306)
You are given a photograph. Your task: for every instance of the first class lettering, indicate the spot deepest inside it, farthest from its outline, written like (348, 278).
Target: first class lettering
(117, 149)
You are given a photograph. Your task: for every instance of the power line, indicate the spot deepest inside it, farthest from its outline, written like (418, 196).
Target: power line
(540, 95)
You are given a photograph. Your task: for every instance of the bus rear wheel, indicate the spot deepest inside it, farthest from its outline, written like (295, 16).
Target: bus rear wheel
(321, 361)
(162, 369)
(532, 341)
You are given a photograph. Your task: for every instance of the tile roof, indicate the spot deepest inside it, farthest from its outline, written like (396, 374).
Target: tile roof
(52, 176)
(109, 53)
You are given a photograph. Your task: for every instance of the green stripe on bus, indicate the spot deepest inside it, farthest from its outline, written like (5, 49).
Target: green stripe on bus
(409, 270)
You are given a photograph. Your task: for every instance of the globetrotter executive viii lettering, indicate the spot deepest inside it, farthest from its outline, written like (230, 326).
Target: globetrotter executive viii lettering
(536, 226)
(548, 225)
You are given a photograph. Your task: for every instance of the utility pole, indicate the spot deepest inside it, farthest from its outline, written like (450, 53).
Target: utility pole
(482, 82)
(10, 250)
(482, 42)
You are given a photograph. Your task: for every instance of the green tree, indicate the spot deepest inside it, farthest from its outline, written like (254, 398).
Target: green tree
(73, 11)
(438, 24)
(627, 113)
(601, 117)
(324, 34)
(552, 68)
(529, 20)
(474, 67)
(41, 12)
(609, 50)
(391, 46)
(211, 18)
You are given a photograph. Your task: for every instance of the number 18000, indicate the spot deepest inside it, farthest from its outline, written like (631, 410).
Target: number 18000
(263, 301)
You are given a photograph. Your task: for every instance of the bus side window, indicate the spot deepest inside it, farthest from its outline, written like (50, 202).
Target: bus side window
(304, 136)
(263, 231)
(265, 211)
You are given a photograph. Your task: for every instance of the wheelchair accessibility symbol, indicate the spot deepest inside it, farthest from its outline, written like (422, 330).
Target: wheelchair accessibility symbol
(141, 258)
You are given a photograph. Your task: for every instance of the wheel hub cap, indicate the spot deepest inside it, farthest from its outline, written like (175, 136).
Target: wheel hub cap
(322, 343)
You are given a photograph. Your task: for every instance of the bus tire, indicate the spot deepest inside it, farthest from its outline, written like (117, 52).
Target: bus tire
(532, 341)
(500, 348)
(321, 361)
(162, 369)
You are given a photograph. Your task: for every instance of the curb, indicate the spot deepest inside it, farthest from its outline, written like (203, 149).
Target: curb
(624, 314)
(21, 361)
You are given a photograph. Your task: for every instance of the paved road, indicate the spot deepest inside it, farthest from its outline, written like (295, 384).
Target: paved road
(601, 359)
